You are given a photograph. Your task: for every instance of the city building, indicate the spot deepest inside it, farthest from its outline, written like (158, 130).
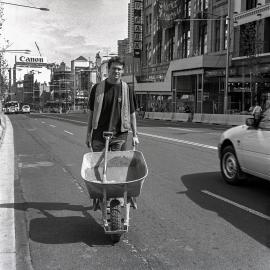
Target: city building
(84, 76)
(61, 88)
(187, 48)
(249, 79)
(123, 47)
(30, 77)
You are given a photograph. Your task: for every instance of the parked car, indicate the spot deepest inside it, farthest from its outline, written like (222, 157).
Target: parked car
(245, 150)
(25, 109)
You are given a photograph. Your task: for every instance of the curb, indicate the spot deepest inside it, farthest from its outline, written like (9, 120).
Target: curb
(2, 127)
(7, 218)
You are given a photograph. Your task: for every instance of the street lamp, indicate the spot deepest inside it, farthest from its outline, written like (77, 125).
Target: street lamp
(13, 4)
(227, 58)
(15, 51)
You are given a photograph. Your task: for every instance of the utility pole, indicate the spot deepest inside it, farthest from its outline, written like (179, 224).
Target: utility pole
(227, 58)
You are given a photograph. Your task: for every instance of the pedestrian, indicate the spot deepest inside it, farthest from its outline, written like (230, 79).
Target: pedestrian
(265, 121)
(257, 113)
(111, 108)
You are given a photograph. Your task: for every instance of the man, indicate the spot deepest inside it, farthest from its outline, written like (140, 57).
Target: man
(265, 122)
(112, 108)
(257, 113)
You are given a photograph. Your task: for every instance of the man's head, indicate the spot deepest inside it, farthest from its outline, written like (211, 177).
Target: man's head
(115, 69)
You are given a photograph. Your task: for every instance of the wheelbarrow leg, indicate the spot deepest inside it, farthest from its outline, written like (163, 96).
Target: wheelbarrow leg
(104, 210)
(127, 208)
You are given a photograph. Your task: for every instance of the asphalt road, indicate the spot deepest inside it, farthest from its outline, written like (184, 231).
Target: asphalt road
(187, 217)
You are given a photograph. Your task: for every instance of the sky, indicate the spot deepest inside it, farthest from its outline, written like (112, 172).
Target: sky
(71, 28)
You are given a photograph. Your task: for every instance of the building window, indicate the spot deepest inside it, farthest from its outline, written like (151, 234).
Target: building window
(187, 8)
(203, 39)
(217, 36)
(225, 34)
(150, 23)
(146, 24)
(186, 44)
(250, 4)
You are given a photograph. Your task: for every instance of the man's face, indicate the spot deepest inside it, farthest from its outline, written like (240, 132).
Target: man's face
(115, 72)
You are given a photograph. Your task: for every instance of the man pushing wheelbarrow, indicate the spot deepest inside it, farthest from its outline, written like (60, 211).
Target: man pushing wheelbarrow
(112, 115)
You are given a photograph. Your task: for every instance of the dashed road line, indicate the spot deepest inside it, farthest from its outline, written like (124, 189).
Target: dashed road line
(179, 141)
(182, 129)
(68, 132)
(43, 122)
(254, 212)
(52, 126)
(70, 120)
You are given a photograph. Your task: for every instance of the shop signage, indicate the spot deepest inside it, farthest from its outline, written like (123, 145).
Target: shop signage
(137, 35)
(30, 60)
(168, 11)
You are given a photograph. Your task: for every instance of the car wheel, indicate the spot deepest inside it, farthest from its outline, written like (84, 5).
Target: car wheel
(230, 168)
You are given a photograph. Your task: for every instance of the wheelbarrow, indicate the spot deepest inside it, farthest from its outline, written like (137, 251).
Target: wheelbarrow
(114, 180)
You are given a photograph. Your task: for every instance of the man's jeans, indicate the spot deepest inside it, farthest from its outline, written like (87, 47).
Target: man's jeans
(114, 145)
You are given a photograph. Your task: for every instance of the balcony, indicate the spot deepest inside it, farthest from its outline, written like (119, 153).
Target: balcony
(255, 14)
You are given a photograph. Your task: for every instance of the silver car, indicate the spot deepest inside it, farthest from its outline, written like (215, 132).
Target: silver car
(26, 109)
(245, 150)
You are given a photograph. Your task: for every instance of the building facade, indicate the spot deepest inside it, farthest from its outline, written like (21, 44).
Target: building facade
(61, 88)
(184, 56)
(31, 76)
(83, 76)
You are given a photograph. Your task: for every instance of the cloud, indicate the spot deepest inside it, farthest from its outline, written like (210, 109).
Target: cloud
(69, 29)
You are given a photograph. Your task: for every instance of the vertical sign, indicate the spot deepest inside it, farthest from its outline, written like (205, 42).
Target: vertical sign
(137, 45)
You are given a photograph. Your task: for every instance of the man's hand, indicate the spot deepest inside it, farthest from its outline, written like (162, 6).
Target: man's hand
(135, 141)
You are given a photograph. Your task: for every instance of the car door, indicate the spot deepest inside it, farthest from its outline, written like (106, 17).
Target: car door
(255, 145)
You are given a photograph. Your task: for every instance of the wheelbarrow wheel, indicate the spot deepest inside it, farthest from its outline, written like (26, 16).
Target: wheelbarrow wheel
(116, 224)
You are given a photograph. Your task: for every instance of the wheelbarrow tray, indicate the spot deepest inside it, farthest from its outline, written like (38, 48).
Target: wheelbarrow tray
(126, 171)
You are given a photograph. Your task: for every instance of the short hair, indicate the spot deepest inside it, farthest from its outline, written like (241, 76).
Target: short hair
(116, 59)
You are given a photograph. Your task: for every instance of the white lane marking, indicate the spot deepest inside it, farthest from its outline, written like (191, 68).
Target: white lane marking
(43, 122)
(183, 129)
(254, 212)
(52, 126)
(71, 120)
(151, 135)
(213, 133)
(179, 141)
(68, 132)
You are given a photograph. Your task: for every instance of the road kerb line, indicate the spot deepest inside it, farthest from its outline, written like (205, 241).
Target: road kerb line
(68, 132)
(178, 141)
(254, 212)
(7, 214)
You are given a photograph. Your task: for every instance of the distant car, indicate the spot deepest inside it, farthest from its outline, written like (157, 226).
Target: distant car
(25, 109)
(245, 150)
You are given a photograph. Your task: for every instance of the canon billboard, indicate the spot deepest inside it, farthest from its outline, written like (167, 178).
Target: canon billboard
(30, 60)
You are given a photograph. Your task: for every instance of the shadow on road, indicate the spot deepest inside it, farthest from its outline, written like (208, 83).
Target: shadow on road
(208, 190)
(62, 230)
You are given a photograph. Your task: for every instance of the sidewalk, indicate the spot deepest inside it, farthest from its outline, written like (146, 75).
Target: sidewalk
(7, 220)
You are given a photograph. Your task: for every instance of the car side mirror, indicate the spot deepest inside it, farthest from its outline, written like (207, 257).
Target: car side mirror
(250, 122)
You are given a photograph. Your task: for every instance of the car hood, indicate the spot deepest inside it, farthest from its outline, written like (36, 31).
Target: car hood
(233, 133)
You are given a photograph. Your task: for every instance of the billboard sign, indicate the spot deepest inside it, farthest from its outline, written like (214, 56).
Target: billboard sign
(137, 45)
(23, 60)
